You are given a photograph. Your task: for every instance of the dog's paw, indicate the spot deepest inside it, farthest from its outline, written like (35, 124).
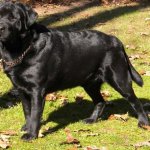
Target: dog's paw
(143, 122)
(89, 120)
(24, 128)
(28, 137)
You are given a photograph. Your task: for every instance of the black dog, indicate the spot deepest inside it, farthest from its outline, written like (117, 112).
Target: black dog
(38, 61)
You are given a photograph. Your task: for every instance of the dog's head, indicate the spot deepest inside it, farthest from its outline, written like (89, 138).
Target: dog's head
(15, 18)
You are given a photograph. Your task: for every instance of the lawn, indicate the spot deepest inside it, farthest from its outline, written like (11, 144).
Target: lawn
(130, 23)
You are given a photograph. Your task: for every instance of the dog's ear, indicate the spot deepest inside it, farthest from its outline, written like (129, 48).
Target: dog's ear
(29, 15)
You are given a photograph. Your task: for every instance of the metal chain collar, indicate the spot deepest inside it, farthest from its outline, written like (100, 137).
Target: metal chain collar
(16, 61)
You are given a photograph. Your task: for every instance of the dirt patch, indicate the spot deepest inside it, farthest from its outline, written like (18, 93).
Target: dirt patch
(47, 9)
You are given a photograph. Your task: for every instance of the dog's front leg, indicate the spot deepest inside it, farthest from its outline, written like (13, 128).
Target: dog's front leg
(37, 105)
(26, 103)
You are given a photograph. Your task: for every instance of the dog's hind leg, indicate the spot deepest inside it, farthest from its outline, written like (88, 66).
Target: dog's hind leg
(93, 90)
(121, 81)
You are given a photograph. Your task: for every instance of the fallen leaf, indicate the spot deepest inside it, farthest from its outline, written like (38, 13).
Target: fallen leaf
(51, 97)
(142, 72)
(4, 144)
(147, 73)
(146, 128)
(123, 117)
(141, 144)
(105, 94)
(133, 57)
(40, 134)
(70, 139)
(145, 33)
(9, 132)
(4, 137)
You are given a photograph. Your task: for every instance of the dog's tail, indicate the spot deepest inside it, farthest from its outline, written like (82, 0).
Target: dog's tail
(134, 74)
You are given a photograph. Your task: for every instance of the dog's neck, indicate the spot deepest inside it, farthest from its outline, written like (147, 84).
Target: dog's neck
(13, 48)
(14, 51)
(18, 48)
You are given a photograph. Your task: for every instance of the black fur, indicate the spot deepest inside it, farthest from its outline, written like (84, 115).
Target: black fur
(59, 60)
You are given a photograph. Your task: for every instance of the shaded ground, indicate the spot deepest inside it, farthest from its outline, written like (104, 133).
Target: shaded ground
(48, 9)
(50, 14)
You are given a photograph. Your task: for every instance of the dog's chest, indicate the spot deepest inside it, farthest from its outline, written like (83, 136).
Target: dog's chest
(18, 78)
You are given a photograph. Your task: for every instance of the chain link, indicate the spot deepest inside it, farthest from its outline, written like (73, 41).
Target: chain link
(17, 60)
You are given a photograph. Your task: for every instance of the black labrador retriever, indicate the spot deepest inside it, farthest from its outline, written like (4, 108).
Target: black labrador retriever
(38, 61)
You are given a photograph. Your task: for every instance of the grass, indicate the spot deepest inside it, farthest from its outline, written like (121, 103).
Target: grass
(127, 23)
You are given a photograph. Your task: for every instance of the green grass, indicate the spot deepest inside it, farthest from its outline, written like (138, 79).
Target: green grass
(125, 22)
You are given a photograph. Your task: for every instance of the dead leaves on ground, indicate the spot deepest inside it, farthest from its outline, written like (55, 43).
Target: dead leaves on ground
(141, 55)
(64, 99)
(123, 117)
(9, 132)
(146, 128)
(76, 143)
(143, 72)
(4, 144)
(70, 139)
(106, 94)
(134, 57)
(51, 97)
(56, 96)
(79, 97)
(141, 144)
(145, 34)
(4, 138)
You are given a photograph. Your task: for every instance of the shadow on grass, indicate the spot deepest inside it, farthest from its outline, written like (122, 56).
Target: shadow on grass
(9, 99)
(74, 112)
(97, 19)
(49, 19)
